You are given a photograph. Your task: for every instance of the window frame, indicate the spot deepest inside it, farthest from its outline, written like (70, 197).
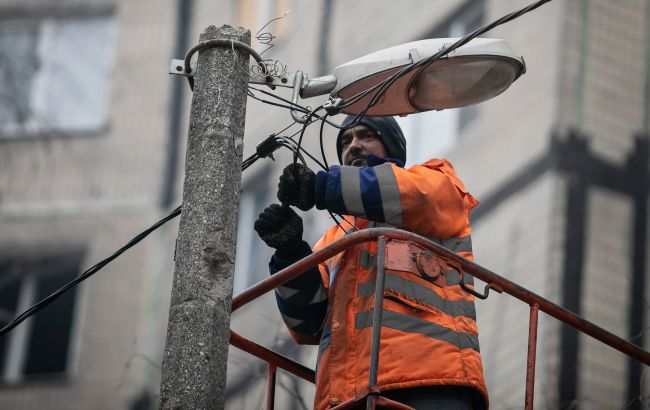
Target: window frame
(16, 349)
(78, 12)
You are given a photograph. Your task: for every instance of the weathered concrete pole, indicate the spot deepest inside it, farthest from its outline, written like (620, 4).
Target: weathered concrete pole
(196, 350)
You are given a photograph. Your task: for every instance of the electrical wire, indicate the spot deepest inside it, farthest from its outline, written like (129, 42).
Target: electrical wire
(320, 140)
(304, 128)
(297, 106)
(298, 147)
(267, 37)
(98, 266)
(381, 88)
(286, 128)
(294, 145)
(289, 107)
(88, 273)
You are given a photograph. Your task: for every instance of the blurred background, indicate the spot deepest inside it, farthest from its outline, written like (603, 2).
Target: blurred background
(92, 137)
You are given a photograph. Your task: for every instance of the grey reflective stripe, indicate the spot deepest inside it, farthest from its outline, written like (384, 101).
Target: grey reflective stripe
(320, 295)
(409, 324)
(291, 322)
(389, 191)
(351, 190)
(366, 260)
(421, 294)
(453, 278)
(286, 292)
(454, 244)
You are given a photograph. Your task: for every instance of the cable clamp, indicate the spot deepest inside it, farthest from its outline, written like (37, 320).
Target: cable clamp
(267, 147)
(332, 106)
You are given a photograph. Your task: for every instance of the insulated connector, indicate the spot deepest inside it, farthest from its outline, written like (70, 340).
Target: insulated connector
(267, 147)
(332, 106)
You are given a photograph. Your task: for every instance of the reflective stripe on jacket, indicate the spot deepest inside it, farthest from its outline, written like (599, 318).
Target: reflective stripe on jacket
(429, 334)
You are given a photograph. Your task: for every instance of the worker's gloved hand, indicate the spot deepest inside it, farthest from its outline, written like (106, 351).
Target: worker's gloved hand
(280, 227)
(297, 187)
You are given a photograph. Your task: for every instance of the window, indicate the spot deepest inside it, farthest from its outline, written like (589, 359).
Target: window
(435, 133)
(40, 345)
(252, 261)
(55, 75)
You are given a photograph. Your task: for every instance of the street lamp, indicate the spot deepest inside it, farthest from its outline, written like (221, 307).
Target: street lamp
(470, 74)
(475, 72)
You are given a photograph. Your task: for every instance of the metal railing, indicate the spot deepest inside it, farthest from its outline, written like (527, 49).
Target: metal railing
(382, 235)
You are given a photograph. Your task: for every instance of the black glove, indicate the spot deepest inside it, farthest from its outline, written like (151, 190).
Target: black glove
(280, 227)
(297, 187)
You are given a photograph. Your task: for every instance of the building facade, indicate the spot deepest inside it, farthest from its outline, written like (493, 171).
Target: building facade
(92, 131)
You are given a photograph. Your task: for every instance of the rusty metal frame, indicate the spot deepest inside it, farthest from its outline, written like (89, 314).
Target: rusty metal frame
(381, 235)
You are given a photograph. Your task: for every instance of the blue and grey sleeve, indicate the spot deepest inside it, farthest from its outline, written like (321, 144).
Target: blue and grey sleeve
(302, 301)
(371, 193)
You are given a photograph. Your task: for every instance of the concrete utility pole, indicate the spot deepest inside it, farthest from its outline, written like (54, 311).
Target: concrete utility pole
(198, 333)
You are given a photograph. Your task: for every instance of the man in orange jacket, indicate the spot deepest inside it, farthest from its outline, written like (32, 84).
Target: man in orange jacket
(429, 357)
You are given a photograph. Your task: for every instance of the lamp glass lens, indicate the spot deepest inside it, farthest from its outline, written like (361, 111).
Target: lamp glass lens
(461, 81)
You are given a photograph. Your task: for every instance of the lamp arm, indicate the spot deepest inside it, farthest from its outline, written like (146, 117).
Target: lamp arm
(318, 86)
(297, 85)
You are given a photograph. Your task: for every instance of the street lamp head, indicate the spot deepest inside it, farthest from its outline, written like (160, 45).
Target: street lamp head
(479, 70)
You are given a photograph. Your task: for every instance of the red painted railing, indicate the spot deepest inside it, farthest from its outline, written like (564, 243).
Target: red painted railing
(382, 235)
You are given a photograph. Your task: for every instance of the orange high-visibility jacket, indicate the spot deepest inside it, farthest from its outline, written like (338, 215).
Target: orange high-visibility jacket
(429, 334)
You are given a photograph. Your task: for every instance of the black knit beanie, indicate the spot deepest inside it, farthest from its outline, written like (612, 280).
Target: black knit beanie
(389, 132)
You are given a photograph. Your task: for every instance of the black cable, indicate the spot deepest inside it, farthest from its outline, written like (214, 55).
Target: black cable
(324, 120)
(298, 147)
(88, 273)
(313, 158)
(293, 149)
(384, 85)
(298, 106)
(95, 268)
(289, 107)
(270, 94)
(295, 146)
(336, 221)
(304, 128)
(320, 138)
(285, 128)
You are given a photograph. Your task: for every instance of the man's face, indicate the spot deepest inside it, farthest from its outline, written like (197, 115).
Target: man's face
(359, 141)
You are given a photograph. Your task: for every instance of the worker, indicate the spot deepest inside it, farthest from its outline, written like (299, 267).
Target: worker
(429, 356)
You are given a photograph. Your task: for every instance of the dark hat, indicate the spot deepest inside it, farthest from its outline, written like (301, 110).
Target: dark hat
(389, 132)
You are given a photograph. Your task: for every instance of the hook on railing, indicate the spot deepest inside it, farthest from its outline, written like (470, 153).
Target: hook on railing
(461, 282)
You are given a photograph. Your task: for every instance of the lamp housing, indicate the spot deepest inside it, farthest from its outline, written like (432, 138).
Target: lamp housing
(479, 70)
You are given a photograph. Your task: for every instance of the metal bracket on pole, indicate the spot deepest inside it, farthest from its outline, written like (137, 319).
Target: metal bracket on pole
(176, 67)
(287, 80)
